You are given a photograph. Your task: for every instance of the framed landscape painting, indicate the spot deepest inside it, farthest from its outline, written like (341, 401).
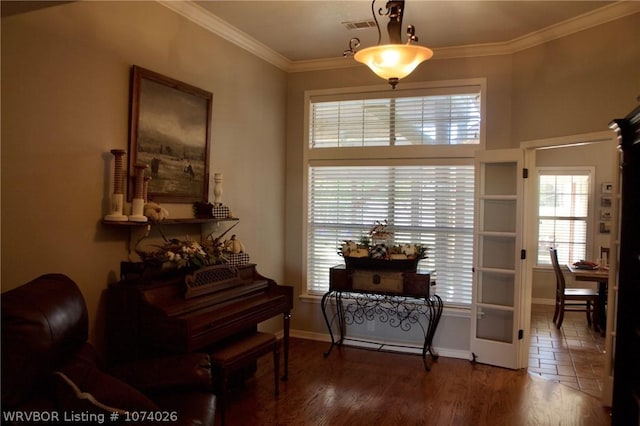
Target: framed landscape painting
(170, 130)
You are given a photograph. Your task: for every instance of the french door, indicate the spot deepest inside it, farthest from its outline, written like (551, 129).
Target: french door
(496, 322)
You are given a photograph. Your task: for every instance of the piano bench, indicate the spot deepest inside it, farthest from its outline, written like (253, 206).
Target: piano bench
(240, 354)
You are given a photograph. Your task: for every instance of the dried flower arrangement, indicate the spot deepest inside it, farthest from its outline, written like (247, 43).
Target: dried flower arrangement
(191, 254)
(185, 253)
(376, 249)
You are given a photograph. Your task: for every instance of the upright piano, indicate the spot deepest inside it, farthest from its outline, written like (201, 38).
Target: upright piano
(175, 313)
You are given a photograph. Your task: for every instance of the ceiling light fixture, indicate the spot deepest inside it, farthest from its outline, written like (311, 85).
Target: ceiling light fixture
(395, 60)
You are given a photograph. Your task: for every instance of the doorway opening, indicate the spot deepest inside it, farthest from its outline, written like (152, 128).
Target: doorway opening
(574, 355)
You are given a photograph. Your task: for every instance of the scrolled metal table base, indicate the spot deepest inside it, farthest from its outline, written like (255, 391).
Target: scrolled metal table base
(397, 311)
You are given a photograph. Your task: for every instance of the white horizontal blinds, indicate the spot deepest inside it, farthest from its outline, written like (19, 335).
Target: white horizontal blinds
(563, 209)
(438, 120)
(441, 119)
(429, 205)
(340, 124)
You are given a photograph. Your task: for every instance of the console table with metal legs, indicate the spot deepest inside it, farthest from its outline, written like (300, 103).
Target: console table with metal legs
(404, 305)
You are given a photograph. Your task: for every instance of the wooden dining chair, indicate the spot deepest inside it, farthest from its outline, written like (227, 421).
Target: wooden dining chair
(571, 299)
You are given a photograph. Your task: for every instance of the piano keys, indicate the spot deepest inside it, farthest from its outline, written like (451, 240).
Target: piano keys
(174, 313)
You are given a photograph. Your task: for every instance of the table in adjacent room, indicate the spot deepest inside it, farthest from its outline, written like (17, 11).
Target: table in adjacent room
(601, 276)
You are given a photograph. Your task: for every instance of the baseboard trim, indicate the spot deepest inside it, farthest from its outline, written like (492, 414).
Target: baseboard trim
(397, 347)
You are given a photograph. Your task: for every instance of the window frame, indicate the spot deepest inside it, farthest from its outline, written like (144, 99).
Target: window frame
(383, 155)
(566, 171)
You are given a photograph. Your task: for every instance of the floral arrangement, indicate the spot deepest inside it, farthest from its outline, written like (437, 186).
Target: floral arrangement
(185, 253)
(191, 254)
(380, 251)
(377, 245)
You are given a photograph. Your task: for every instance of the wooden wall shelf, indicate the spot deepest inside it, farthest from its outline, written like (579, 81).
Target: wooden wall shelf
(185, 221)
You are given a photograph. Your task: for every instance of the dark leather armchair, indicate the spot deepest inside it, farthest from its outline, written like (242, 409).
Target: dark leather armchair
(51, 371)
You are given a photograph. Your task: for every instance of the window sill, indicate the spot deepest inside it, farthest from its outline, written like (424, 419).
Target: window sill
(310, 298)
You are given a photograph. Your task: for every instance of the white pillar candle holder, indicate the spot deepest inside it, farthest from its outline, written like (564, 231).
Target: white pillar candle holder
(217, 189)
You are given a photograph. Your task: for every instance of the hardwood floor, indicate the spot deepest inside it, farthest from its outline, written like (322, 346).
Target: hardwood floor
(361, 387)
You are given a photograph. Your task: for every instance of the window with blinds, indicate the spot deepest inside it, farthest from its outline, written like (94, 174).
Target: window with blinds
(563, 210)
(437, 119)
(429, 205)
(404, 156)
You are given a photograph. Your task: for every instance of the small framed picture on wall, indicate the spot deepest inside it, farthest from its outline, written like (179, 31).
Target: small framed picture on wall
(605, 227)
(607, 188)
(605, 201)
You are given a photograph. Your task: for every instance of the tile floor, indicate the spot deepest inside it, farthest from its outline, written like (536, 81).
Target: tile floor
(573, 355)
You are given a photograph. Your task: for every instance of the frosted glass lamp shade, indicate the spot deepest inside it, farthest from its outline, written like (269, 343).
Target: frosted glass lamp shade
(393, 61)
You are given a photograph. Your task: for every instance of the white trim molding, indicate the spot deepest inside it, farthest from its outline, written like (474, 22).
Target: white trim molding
(198, 15)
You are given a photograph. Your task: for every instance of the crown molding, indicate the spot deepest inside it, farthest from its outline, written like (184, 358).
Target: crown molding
(579, 23)
(212, 23)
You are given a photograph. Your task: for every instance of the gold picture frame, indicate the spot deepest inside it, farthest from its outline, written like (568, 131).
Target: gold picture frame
(170, 127)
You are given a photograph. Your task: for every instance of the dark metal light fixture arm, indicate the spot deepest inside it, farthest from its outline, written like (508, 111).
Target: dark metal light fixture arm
(354, 43)
(394, 27)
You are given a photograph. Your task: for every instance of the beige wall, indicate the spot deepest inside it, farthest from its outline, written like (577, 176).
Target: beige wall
(577, 84)
(65, 100)
(570, 86)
